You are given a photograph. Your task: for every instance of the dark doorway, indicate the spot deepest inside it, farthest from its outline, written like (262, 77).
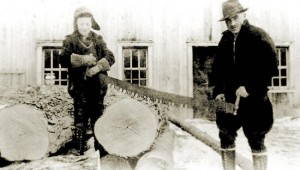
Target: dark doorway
(203, 58)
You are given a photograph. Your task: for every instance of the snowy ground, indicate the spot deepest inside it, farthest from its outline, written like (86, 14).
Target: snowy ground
(283, 144)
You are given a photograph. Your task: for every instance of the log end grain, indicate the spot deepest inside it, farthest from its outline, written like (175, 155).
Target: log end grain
(23, 134)
(127, 128)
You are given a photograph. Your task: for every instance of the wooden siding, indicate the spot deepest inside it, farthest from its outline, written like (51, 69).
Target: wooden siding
(172, 26)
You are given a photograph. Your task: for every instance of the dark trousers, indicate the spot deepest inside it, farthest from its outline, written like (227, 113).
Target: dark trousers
(255, 116)
(88, 96)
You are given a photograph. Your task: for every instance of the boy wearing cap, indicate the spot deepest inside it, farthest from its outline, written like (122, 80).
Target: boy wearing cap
(243, 68)
(86, 56)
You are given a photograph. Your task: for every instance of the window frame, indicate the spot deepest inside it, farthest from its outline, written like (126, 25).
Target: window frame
(137, 44)
(40, 54)
(287, 67)
(190, 45)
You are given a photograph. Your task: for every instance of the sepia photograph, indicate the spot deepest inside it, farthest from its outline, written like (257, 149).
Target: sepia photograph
(149, 85)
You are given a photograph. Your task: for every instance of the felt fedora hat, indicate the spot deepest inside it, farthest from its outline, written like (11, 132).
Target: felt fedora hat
(231, 7)
(83, 11)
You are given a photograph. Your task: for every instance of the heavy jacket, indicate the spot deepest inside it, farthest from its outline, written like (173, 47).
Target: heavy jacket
(71, 44)
(248, 61)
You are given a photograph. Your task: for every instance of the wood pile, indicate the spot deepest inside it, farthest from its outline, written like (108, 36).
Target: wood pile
(55, 106)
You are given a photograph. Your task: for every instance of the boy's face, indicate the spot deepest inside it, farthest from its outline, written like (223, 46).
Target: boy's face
(84, 25)
(235, 22)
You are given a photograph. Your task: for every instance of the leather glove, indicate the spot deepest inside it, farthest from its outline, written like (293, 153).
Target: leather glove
(82, 60)
(241, 91)
(220, 97)
(102, 65)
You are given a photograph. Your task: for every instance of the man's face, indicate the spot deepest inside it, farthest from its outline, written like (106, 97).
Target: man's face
(84, 25)
(235, 22)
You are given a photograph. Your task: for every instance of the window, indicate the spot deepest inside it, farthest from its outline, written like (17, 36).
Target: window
(49, 71)
(135, 65)
(281, 79)
(54, 74)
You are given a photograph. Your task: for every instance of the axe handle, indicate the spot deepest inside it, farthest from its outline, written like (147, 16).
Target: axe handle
(236, 104)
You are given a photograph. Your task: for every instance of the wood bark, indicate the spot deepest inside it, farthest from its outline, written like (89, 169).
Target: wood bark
(23, 134)
(127, 128)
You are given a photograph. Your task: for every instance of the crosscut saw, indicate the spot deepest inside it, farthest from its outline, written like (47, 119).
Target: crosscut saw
(168, 98)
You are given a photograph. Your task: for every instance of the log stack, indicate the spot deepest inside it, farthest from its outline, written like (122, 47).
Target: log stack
(136, 122)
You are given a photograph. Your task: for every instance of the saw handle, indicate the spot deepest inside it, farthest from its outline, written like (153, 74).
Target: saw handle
(236, 104)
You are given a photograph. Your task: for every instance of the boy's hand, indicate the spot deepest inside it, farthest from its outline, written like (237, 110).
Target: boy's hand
(82, 60)
(102, 65)
(89, 60)
(94, 70)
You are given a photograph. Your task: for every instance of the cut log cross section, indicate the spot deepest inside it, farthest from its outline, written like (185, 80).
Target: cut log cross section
(127, 128)
(23, 134)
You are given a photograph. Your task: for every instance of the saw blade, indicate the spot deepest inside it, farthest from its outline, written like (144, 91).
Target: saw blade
(166, 98)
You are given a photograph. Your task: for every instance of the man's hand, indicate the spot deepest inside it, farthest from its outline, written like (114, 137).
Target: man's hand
(220, 97)
(241, 91)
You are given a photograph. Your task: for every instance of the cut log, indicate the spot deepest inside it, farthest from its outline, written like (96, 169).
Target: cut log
(23, 134)
(127, 128)
(113, 162)
(161, 154)
(55, 106)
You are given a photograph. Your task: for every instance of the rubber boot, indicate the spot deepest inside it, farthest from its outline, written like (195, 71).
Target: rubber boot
(79, 133)
(228, 159)
(260, 161)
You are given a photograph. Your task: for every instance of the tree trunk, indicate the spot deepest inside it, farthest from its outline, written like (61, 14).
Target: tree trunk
(127, 128)
(23, 134)
(161, 154)
(55, 109)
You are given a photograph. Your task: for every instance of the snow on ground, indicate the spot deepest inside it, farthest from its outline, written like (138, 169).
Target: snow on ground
(283, 143)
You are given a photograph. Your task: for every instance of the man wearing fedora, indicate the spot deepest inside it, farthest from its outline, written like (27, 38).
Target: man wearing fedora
(243, 68)
(87, 57)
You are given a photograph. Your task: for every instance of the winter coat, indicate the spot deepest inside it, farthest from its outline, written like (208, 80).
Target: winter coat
(248, 61)
(71, 44)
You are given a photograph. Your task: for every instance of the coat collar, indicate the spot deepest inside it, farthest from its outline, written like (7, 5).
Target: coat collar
(92, 35)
